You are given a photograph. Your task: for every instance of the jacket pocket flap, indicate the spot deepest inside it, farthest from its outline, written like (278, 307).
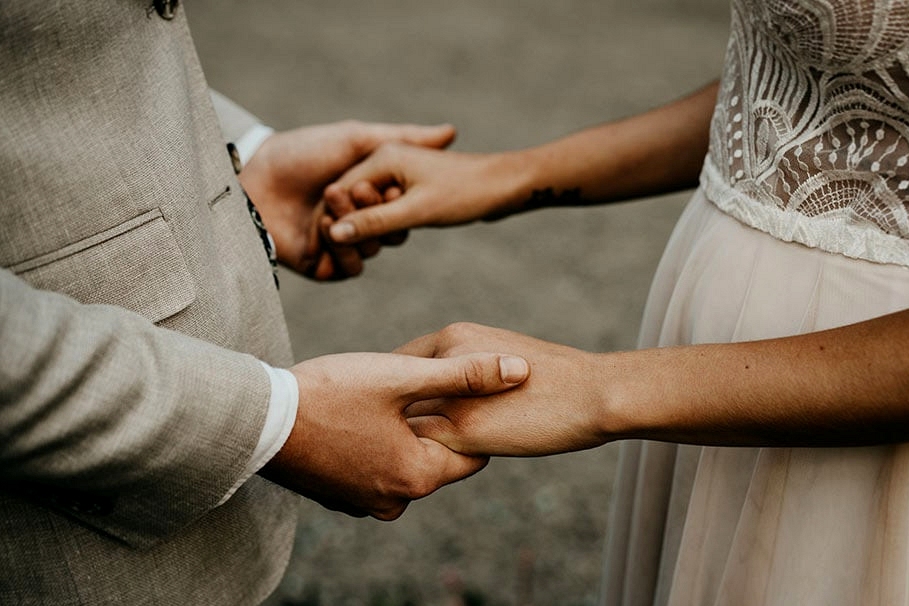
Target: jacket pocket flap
(136, 265)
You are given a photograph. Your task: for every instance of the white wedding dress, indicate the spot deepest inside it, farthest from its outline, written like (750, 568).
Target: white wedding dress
(801, 223)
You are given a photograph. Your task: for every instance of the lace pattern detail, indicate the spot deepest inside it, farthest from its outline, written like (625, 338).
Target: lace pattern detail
(810, 137)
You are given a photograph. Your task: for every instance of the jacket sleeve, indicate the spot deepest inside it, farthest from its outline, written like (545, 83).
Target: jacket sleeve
(133, 429)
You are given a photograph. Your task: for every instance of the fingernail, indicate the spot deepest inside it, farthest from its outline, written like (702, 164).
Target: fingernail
(513, 369)
(341, 232)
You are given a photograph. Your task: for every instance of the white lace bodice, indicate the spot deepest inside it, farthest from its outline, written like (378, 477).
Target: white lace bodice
(810, 138)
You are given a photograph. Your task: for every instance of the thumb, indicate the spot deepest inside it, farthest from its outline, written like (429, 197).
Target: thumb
(473, 374)
(438, 136)
(375, 221)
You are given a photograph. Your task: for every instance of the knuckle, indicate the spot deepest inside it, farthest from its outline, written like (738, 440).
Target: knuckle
(459, 331)
(474, 376)
(451, 340)
(455, 328)
(414, 481)
(362, 189)
(332, 191)
(350, 124)
(390, 150)
(390, 513)
(336, 200)
(417, 487)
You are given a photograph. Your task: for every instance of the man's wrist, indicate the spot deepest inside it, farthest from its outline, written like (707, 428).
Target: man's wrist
(250, 142)
(279, 422)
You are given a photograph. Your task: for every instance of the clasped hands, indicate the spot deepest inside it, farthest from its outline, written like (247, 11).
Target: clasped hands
(375, 431)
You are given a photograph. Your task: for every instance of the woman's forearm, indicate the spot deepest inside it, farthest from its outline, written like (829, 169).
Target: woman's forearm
(846, 386)
(656, 152)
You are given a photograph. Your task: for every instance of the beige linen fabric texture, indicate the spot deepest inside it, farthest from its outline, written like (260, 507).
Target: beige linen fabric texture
(135, 301)
(758, 526)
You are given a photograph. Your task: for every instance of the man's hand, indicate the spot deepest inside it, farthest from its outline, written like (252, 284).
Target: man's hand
(431, 187)
(285, 179)
(558, 409)
(351, 448)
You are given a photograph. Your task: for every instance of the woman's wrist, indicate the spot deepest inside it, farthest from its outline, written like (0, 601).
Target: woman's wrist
(594, 398)
(511, 177)
(613, 402)
(644, 394)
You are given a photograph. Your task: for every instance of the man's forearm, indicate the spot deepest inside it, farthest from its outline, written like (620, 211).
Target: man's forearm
(100, 402)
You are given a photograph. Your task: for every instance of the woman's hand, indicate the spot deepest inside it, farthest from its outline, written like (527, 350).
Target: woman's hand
(431, 187)
(558, 409)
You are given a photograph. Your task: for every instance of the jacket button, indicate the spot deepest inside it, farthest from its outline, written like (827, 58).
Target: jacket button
(166, 8)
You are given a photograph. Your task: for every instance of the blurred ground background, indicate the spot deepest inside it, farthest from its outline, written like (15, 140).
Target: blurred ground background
(508, 74)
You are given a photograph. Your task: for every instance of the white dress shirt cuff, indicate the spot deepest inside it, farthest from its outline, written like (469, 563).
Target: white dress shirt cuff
(249, 143)
(279, 421)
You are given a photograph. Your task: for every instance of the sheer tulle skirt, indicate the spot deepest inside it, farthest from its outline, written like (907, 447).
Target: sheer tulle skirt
(758, 526)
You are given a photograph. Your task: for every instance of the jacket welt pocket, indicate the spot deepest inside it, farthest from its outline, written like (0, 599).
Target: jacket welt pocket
(136, 265)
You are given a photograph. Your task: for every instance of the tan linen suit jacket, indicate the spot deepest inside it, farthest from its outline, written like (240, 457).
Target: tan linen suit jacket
(135, 301)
